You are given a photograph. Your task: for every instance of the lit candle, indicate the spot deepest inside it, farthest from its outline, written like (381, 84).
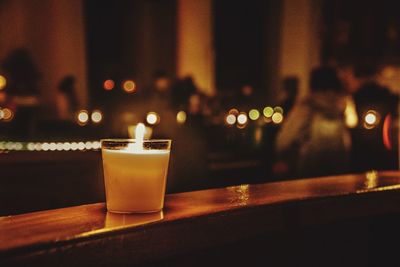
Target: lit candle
(135, 173)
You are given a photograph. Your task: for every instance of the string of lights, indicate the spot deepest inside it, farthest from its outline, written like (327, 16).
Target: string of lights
(49, 146)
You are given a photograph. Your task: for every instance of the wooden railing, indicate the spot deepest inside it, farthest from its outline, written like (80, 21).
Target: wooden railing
(239, 225)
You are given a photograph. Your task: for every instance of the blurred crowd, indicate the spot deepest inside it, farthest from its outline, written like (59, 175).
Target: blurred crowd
(346, 123)
(343, 125)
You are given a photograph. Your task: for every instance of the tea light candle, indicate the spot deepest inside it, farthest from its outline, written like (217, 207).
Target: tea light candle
(135, 177)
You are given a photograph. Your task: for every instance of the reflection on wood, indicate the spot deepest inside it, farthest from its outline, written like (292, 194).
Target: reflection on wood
(192, 221)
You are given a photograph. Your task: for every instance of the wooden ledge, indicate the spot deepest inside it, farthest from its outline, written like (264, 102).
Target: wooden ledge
(190, 221)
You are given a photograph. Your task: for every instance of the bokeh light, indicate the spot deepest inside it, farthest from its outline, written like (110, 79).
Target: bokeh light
(181, 117)
(1, 114)
(3, 82)
(45, 146)
(108, 85)
(81, 146)
(60, 147)
(242, 118)
(83, 117)
(31, 146)
(254, 114)
(97, 116)
(277, 118)
(18, 146)
(49, 146)
(8, 115)
(9, 145)
(278, 109)
(74, 146)
(152, 118)
(96, 145)
(38, 147)
(268, 112)
(233, 111)
(371, 119)
(52, 146)
(129, 86)
(66, 146)
(230, 119)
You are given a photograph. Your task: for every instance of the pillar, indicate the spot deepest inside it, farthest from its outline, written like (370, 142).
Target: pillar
(195, 53)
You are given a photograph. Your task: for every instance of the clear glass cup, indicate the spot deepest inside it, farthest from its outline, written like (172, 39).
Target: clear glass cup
(135, 174)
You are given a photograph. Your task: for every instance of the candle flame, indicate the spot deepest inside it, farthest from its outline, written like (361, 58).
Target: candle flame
(139, 134)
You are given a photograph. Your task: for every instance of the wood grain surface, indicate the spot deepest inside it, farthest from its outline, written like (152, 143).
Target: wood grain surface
(191, 221)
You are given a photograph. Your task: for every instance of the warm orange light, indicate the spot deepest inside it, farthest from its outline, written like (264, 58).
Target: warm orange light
(108, 84)
(230, 119)
(83, 117)
(129, 86)
(8, 115)
(152, 118)
(258, 133)
(350, 114)
(3, 82)
(97, 116)
(233, 111)
(386, 132)
(389, 72)
(277, 118)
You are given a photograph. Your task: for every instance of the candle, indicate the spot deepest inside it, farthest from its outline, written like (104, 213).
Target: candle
(135, 173)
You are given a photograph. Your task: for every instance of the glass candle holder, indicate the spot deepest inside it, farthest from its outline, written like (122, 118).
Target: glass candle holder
(135, 174)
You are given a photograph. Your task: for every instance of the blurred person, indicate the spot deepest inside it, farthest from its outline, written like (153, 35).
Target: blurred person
(182, 91)
(67, 103)
(22, 91)
(314, 140)
(290, 90)
(369, 97)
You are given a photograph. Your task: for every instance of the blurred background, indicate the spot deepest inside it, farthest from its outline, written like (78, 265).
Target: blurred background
(249, 91)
